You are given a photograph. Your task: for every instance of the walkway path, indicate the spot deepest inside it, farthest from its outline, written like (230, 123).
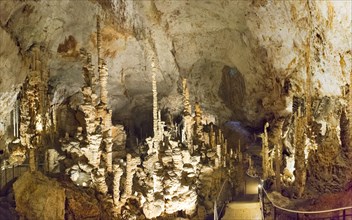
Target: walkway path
(247, 206)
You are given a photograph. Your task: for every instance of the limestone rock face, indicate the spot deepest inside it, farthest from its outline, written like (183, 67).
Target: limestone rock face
(38, 197)
(216, 45)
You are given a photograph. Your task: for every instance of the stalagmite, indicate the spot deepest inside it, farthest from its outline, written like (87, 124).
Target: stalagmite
(265, 152)
(98, 178)
(103, 77)
(187, 119)
(131, 165)
(218, 153)
(300, 160)
(34, 107)
(278, 167)
(52, 158)
(186, 104)
(212, 140)
(276, 140)
(155, 98)
(198, 130)
(117, 170)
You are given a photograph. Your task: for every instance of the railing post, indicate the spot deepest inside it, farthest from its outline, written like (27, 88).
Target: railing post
(297, 216)
(344, 214)
(274, 213)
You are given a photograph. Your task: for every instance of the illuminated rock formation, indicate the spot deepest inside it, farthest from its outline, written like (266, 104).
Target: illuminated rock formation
(265, 152)
(34, 107)
(198, 124)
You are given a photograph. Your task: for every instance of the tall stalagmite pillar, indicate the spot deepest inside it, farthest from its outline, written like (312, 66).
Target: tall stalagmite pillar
(34, 107)
(198, 123)
(155, 98)
(104, 113)
(131, 166)
(300, 161)
(116, 183)
(265, 152)
(187, 119)
(186, 104)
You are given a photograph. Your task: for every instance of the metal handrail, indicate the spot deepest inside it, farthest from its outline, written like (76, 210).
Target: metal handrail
(4, 171)
(304, 212)
(216, 215)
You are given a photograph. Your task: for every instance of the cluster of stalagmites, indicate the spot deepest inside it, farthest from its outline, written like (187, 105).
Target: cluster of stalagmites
(310, 149)
(31, 116)
(174, 174)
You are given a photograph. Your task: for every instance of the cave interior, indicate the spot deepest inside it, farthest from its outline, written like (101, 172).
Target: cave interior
(159, 109)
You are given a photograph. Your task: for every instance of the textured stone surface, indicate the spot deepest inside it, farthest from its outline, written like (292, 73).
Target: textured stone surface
(38, 197)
